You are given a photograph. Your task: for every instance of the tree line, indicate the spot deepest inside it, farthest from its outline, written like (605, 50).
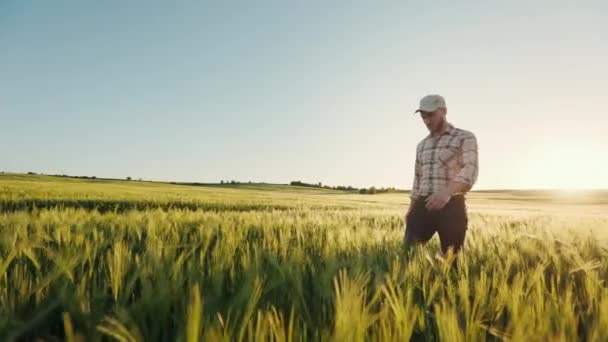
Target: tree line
(370, 191)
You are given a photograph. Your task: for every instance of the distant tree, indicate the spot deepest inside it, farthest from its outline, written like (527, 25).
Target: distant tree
(371, 190)
(221, 182)
(128, 178)
(31, 173)
(94, 177)
(320, 184)
(363, 191)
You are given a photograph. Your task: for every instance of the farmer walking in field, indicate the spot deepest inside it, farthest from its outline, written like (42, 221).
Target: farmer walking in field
(446, 169)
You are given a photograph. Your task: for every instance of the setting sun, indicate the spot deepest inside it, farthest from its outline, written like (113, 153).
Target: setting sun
(567, 165)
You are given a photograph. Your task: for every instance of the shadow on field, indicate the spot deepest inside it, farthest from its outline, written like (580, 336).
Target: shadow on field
(119, 206)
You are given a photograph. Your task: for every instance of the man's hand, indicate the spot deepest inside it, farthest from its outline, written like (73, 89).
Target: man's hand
(438, 200)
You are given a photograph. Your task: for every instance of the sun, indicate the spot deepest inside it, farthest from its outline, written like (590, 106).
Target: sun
(567, 166)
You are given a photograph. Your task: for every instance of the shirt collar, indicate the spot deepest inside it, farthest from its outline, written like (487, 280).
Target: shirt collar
(448, 130)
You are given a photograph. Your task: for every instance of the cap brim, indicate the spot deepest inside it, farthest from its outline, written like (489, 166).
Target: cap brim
(426, 110)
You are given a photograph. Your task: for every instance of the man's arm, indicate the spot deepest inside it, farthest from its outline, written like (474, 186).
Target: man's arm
(455, 187)
(470, 168)
(416, 185)
(417, 176)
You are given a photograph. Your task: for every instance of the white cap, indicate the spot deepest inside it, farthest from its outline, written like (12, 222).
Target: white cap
(431, 103)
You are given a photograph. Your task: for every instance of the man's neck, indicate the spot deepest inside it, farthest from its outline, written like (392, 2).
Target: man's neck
(444, 127)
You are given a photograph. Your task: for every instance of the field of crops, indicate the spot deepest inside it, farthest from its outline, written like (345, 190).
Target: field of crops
(90, 260)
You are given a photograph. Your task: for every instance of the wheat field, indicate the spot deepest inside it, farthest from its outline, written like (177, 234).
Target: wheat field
(103, 260)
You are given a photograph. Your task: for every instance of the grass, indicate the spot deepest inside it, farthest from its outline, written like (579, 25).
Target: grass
(100, 260)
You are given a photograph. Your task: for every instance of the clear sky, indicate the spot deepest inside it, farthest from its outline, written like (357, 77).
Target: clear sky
(316, 91)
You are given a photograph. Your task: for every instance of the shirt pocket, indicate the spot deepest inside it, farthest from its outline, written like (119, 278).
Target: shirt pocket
(447, 154)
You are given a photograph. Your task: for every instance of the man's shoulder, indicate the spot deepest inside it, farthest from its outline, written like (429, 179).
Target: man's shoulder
(463, 133)
(421, 143)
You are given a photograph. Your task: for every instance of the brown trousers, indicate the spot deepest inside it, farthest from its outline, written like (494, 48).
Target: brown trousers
(450, 222)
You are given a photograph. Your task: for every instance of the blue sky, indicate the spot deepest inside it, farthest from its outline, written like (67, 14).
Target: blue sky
(278, 91)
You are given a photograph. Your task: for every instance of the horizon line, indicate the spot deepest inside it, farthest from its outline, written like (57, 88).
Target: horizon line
(194, 183)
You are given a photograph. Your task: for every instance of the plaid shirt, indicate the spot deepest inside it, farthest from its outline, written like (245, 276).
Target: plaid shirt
(450, 157)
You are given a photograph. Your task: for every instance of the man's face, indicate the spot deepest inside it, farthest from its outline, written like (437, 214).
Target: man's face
(434, 120)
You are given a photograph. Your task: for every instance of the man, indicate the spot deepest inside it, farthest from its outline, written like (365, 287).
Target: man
(446, 168)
